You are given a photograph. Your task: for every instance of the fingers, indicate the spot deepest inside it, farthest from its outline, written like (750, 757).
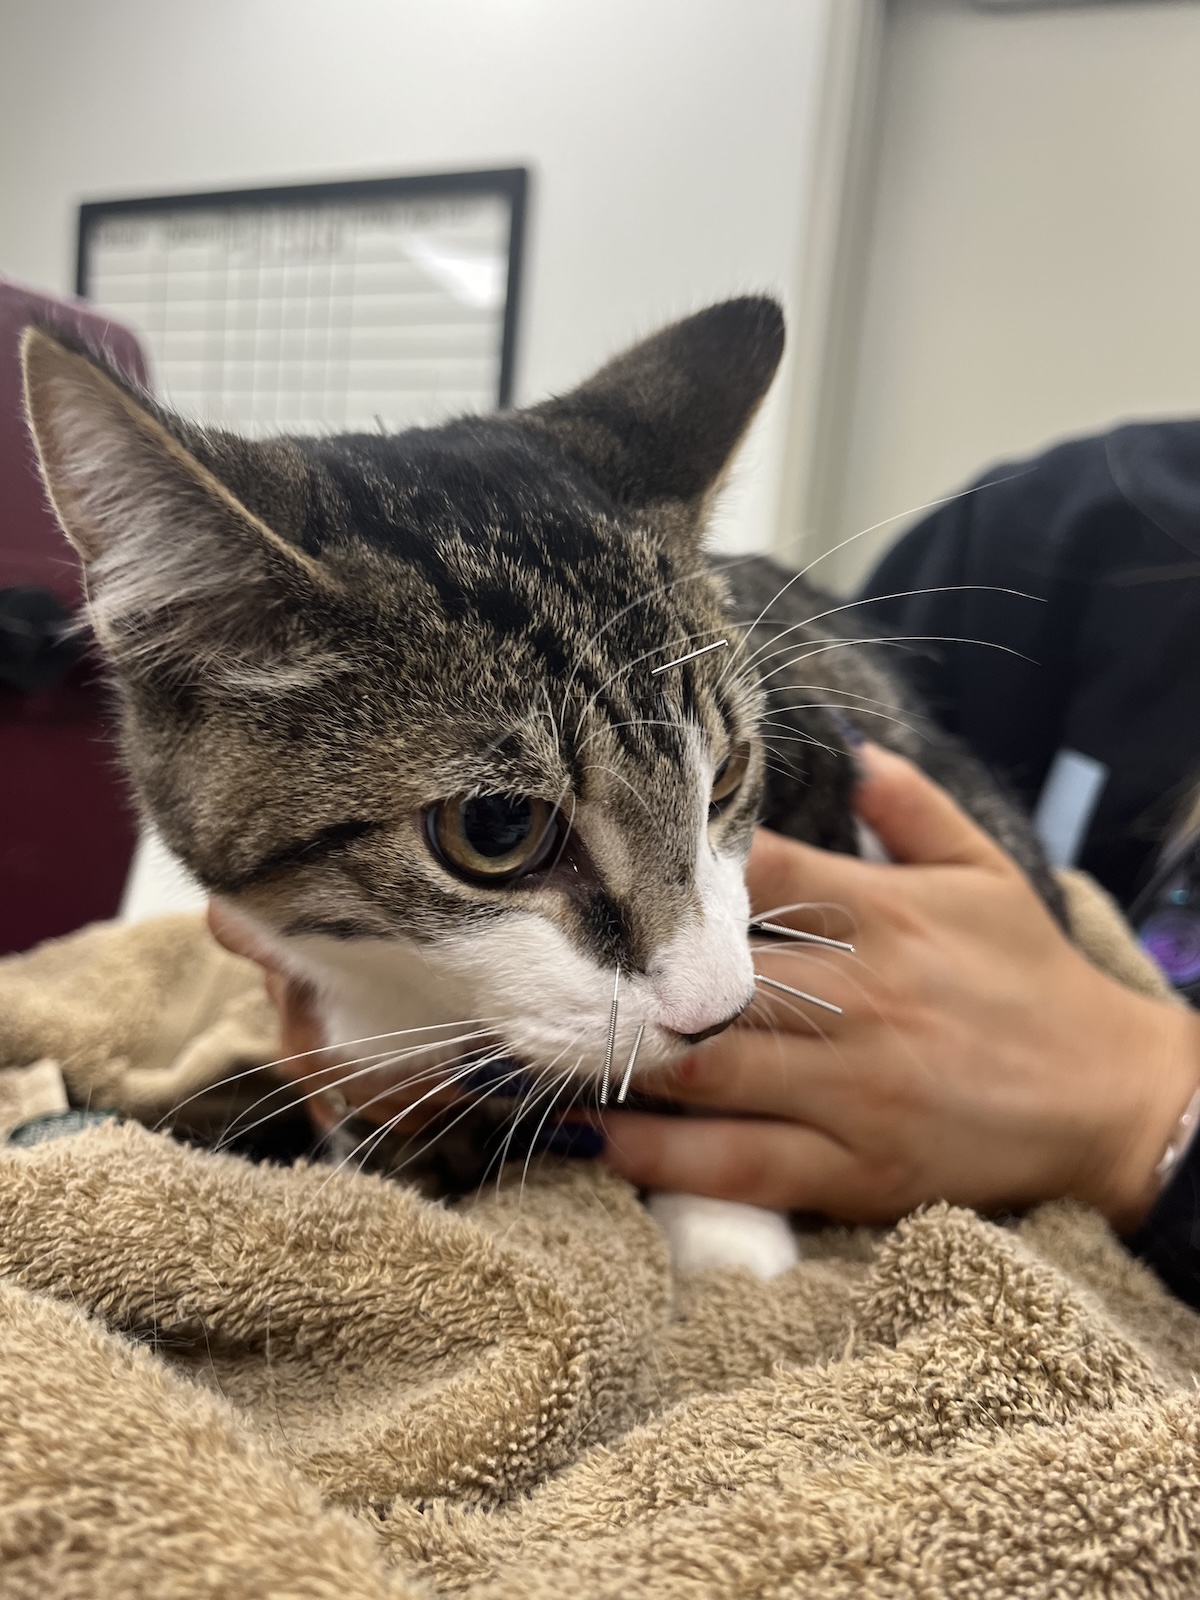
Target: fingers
(917, 821)
(770, 1164)
(750, 1070)
(300, 1027)
(238, 935)
(781, 872)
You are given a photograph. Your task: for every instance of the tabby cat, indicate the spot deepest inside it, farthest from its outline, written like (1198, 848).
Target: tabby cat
(395, 698)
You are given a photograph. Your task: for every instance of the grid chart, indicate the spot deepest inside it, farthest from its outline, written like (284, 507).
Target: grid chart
(320, 316)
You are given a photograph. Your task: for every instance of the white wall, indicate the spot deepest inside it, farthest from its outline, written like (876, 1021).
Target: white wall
(670, 138)
(1034, 265)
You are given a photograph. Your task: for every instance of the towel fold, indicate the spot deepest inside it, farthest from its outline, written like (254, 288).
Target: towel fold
(222, 1379)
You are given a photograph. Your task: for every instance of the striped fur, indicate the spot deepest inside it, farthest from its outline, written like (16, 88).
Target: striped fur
(317, 639)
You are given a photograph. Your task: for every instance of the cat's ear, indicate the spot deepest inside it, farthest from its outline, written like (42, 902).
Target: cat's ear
(660, 423)
(178, 567)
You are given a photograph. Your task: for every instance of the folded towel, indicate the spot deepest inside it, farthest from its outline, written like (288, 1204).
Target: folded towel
(224, 1380)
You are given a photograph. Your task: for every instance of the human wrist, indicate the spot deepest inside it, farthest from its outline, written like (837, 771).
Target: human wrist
(1162, 1062)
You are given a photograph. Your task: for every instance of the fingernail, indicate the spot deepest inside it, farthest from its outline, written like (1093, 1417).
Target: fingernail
(577, 1139)
(504, 1079)
(848, 733)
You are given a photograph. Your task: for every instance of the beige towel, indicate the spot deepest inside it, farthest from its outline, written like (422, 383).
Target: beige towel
(223, 1380)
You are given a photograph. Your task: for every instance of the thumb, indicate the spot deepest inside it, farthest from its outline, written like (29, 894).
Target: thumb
(918, 822)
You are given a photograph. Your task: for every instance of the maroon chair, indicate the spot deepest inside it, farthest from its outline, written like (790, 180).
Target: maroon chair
(67, 827)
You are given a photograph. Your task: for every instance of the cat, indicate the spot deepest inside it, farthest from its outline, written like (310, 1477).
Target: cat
(407, 704)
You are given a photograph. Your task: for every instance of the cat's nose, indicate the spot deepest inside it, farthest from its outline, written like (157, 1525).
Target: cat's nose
(717, 1027)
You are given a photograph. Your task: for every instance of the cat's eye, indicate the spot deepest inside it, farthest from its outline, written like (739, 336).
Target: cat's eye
(727, 779)
(493, 838)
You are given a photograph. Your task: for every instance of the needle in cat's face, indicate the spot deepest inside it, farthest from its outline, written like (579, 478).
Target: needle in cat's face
(395, 699)
(606, 830)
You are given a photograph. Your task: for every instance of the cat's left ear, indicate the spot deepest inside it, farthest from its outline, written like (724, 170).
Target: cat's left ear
(179, 567)
(657, 427)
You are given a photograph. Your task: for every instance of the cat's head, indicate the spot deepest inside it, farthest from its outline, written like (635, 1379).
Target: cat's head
(395, 699)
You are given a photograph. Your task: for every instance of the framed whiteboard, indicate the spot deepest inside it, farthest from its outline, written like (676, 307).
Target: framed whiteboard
(359, 306)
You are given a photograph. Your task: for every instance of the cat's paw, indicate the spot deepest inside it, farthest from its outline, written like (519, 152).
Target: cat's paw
(723, 1233)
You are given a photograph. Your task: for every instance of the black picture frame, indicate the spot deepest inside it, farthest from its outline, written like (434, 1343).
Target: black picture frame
(511, 183)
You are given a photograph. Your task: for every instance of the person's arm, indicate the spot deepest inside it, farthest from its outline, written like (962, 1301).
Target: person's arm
(979, 1056)
(1056, 605)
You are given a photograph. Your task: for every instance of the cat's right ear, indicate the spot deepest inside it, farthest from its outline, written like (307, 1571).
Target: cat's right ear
(178, 569)
(658, 425)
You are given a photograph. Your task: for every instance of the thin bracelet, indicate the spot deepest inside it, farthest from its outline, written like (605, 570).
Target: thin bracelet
(1181, 1137)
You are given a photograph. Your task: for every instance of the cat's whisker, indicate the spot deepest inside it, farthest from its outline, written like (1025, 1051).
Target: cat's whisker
(902, 594)
(363, 1149)
(529, 1104)
(797, 952)
(410, 1079)
(809, 651)
(555, 728)
(612, 1040)
(366, 1147)
(806, 738)
(633, 1055)
(809, 1021)
(567, 1079)
(627, 667)
(834, 705)
(236, 1129)
(848, 699)
(799, 650)
(761, 926)
(392, 1122)
(794, 770)
(519, 1110)
(847, 974)
(285, 1094)
(302, 1055)
(788, 772)
(552, 819)
(529, 1099)
(791, 729)
(919, 1061)
(702, 574)
(775, 912)
(928, 505)
(499, 1054)
(378, 1060)
(769, 745)
(600, 766)
(354, 1112)
(800, 994)
(440, 1131)
(633, 722)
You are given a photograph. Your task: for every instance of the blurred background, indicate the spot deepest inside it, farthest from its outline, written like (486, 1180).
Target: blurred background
(983, 218)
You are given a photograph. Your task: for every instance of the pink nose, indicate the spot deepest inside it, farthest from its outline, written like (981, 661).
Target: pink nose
(717, 1027)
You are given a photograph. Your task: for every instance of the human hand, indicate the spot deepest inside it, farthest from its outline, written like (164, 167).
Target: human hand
(979, 1057)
